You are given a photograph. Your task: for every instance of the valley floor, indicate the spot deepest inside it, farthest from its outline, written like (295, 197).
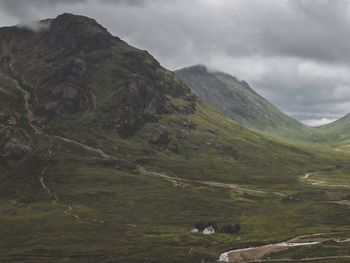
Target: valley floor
(104, 213)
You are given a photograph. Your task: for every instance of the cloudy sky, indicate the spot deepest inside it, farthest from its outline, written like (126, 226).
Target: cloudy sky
(296, 53)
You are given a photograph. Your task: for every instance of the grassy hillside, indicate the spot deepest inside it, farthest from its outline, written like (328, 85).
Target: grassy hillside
(121, 215)
(337, 133)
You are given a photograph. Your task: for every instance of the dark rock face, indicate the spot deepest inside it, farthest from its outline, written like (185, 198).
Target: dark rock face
(78, 34)
(8, 118)
(147, 88)
(76, 66)
(14, 143)
(142, 103)
(162, 139)
(65, 99)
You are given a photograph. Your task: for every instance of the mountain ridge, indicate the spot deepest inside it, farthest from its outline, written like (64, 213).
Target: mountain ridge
(205, 70)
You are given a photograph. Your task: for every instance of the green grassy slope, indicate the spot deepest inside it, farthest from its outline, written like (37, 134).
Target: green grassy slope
(337, 133)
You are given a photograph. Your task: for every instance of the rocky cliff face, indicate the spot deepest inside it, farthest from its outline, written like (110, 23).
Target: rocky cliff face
(73, 66)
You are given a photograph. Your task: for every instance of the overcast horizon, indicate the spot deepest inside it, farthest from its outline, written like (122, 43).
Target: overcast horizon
(293, 52)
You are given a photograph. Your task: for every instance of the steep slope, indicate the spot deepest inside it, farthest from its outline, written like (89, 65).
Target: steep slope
(236, 99)
(108, 157)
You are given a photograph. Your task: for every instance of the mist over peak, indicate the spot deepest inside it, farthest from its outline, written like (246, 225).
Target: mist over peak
(35, 26)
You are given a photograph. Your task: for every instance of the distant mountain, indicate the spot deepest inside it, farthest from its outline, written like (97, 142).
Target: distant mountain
(237, 100)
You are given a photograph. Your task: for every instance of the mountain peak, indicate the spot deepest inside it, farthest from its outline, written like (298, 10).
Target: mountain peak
(198, 69)
(68, 19)
(66, 31)
(66, 16)
(77, 25)
(202, 69)
(76, 32)
(63, 23)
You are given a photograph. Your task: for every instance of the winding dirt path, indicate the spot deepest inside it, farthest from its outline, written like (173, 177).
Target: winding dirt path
(68, 209)
(143, 171)
(317, 259)
(255, 254)
(321, 182)
(43, 172)
(85, 147)
(343, 202)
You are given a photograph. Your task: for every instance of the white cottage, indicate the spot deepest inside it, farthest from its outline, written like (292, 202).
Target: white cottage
(209, 230)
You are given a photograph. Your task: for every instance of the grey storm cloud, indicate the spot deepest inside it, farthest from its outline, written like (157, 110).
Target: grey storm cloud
(23, 9)
(296, 53)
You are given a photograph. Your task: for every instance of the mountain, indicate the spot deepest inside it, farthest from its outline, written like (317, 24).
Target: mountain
(62, 65)
(237, 100)
(106, 156)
